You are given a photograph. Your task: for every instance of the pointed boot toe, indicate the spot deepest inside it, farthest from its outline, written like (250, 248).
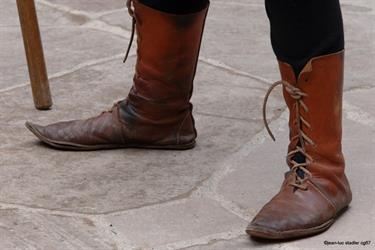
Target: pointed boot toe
(49, 134)
(36, 129)
(100, 132)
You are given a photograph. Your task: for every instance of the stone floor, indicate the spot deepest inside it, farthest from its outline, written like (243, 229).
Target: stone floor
(144, 199)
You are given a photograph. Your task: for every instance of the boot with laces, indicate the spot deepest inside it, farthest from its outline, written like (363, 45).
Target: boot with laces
(315, 190)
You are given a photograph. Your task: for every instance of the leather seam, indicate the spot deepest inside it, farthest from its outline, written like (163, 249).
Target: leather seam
(180, 128)
(121, 123)
(324, 196)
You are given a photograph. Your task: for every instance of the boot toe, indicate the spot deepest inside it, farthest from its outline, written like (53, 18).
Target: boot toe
(282, 228)
(37, 130)
(273, 221)
(292, 214)
(100, 132)
(53, 134)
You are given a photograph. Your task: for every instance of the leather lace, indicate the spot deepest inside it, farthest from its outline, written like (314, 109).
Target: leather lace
(301, 137)
(131, 13)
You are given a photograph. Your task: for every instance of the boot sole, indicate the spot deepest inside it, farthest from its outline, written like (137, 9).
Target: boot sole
(79, 147)
(263, 233)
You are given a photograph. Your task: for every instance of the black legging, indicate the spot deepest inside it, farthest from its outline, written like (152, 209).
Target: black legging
(176, 6)
(303, 29)
(300, 29)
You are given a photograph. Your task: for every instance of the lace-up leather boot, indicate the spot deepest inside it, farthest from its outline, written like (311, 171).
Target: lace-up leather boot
(157, 112)
(315, 190)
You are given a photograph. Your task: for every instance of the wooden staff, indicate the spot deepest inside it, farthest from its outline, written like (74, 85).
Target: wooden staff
(34, 54)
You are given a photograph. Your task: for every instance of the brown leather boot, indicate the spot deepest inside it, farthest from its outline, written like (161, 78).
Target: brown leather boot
(315, 189)
(157, 112)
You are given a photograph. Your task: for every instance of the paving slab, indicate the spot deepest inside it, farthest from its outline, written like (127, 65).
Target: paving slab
(262, 166)
(13, 66)
(361, 101)
(227, 39)
(66, 43)
(93, 6)
(359, 5)
(8, 14)
(240, 243)
(65, 48)
(119, 18)
(46, 16)
(360, 49)
(175, 225)
(28, 230)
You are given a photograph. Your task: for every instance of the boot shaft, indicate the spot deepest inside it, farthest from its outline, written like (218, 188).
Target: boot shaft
(167, 56)
(322, 82)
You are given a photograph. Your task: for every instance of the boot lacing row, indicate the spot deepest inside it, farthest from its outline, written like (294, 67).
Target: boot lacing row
(301, 137)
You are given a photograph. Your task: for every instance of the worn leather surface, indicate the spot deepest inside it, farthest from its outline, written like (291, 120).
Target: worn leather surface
(328, 191)
(157, 110)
